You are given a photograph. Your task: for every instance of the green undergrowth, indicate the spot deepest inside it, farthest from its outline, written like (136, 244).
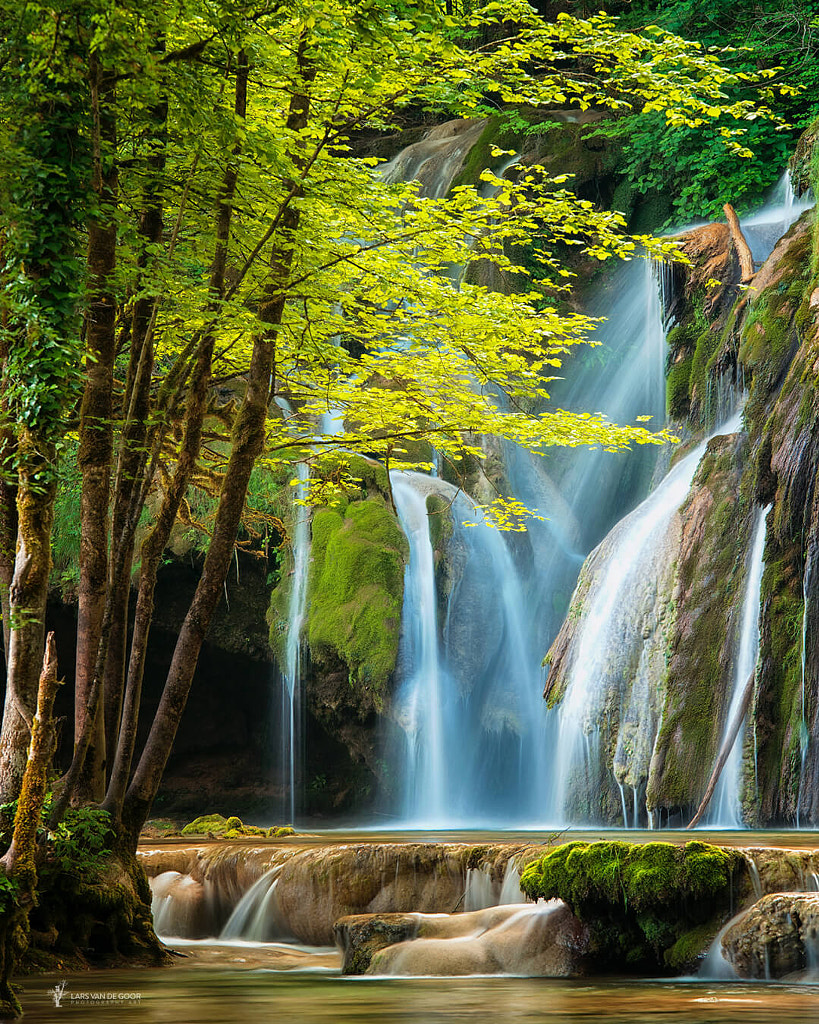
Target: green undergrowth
(651, 907)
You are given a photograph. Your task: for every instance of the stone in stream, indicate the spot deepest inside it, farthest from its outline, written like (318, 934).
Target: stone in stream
(543, 939)
(777, 936)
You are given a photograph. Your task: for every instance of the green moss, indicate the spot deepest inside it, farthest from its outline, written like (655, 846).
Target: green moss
(646, 906)
(498, 133)
(224, 828)
(205, 823)
(708, 580)
(677, 388)
(356, 587)
(778, 704)
(440, 522)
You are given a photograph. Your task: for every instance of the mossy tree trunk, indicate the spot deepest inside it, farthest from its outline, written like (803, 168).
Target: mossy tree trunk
(19, 863)
(27, 604)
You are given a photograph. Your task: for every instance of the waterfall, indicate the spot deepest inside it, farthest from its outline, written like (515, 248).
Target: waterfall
(420, 698)
(726, 808)
(289, 727)
(468, 700)
(768, 224)
(584, 492)
(613, 661)
(804, 735)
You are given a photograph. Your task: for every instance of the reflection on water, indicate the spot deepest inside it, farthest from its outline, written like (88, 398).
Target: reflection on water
(197, 995)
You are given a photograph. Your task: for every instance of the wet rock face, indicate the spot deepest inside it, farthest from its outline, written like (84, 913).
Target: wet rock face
(544, 940)
(778, 936)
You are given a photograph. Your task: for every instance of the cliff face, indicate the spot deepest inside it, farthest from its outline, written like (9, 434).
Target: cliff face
(728, 346)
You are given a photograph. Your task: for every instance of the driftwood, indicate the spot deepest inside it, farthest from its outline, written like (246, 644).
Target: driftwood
(743, 250)
(727, 746)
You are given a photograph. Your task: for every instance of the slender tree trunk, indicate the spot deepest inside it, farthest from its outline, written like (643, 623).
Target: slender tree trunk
(246, 445)
(132, 462)
(743, 250)
(28, 593)
(96, 433)
(725, 751)
(156, 542)
(19, 862)
(8, 495)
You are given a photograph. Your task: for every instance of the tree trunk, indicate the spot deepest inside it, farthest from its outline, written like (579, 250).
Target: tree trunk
(28, 593)
(743, 250)
(96, 434)
(132, 459)
(19, 861)
(156, 542)
(246, 446)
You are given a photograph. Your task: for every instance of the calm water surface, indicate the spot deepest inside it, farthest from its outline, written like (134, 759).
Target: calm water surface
(208, 995)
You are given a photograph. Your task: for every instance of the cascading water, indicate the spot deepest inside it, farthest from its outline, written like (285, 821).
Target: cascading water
(468, 701)
(726, 807)
(420, 699)
(584, 492)
(289, 731)
(291, 691)
(764, 228)
(613, 660)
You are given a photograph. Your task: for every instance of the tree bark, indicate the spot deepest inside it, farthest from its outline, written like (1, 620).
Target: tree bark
(28, 593)
(19, 862)
(96, 432)
(743, 250)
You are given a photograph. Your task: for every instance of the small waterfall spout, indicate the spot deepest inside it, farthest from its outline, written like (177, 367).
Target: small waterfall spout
(468, 701)
(726, 807)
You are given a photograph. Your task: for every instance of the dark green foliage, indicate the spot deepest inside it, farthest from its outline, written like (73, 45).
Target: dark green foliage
(647, 907)
(691, 165)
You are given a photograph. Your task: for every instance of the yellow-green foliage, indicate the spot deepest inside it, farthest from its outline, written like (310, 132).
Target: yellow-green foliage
(643, 904)
(356, 590)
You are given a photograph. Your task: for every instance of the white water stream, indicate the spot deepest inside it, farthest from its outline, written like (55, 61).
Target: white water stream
(725, 810)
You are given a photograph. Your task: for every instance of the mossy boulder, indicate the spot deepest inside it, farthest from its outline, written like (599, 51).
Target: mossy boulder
(223, 828)
(652, 907)
(356, 587)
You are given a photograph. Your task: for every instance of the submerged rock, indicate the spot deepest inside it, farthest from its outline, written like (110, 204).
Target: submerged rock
(778, 936)
(543, 939)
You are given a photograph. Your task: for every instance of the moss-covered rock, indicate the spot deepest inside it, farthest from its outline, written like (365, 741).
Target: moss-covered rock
(651, 907)
(222, 828)
(356, 590)
(717, 519)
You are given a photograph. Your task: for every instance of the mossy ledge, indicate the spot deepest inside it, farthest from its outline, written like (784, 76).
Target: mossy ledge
(649, 908)
(356, 590)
